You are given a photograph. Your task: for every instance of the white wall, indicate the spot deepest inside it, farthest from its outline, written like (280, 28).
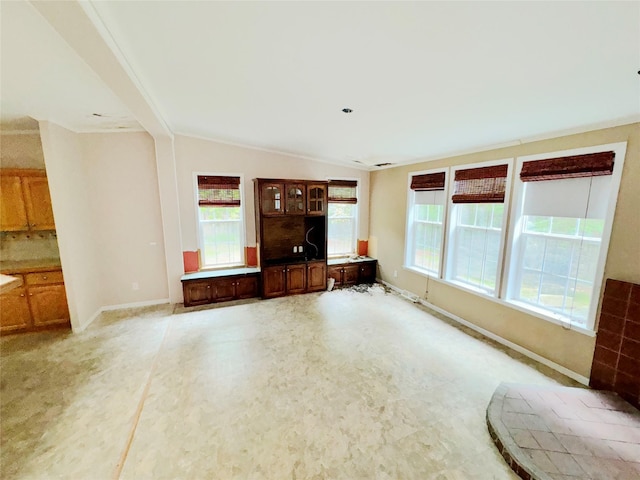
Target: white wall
(199, 155)
(125, 205)
(74, 217)
(22, 150)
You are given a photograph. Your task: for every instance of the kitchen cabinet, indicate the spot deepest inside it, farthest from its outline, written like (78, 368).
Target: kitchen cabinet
(295, 194)
(296, 279)
(271, 197)
(198, 289)
(352, 273)
(274, 281)
(316, 276)
(40, 303)
(316, 199)
(26, 201)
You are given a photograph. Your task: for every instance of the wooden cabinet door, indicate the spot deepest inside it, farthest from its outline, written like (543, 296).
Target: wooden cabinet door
(38, 203)
(14, 311)
(13, 213)
(48, 304)
(273, 281)
(247, 287)
(295, 198)
(225, 289)
(296, 278)
(316, 199)
(367, 272)
(272, 198)
(197, 293)
(335, 272)
(316, 276)
(350, 274)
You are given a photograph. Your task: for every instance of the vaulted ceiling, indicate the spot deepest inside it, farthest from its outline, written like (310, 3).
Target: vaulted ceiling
(423, 79)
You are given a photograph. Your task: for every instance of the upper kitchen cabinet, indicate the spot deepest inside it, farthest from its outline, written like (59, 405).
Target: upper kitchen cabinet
(295, 198)
(26, 202)
(13, 214)
(272, 198)
(316, 199)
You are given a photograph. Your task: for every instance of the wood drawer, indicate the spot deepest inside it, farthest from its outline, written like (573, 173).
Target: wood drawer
(44, 278)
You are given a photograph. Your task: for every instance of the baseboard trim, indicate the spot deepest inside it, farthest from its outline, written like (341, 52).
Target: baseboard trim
(513, 346)
(84, 325)
(147, 303)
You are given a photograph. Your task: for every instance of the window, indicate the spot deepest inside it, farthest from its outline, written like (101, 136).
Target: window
(476, 227)
(425, 221)
(560, 225)
(220, 221)
(342, 215)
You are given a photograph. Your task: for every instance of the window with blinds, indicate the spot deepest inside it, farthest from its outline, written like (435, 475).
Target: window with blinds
(342, 217)
(220, 220)
(560, 228)
(425, 221)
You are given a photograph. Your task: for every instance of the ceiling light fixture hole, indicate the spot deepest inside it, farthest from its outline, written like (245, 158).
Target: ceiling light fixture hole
(347, 110)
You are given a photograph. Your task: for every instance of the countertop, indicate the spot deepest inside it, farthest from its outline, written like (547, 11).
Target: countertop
(219, 273)
(28, 266)
(8, 283)
(342, 260)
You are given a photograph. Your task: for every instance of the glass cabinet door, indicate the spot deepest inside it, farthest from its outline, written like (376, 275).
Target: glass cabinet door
(295, 199)
(272, 201)
(316, 199)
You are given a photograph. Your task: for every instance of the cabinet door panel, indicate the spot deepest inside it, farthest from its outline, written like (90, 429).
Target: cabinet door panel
(38, 203)
(295, 198)
(48, 304)
(273, 282)
(316, 199)
(247, 287)
(14, 313)
(351, 273)
(367, 272)
(197, 293)
(13, 214)
(296, 278)
(336, 273)
(225, 289)
(316, 276)
(272, 199)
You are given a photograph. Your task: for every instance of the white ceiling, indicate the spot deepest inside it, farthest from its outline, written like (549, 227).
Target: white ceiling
(423, 79)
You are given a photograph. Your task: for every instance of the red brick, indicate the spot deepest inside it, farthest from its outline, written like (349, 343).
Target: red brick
(635, 293)
(602, 376)
(614, 306)
(609, 340)
(617, 289)
(611, 323)
(629, 366)
(606, 356)
(633, 312)
(630, 348)
(632, 331)
(627, 385)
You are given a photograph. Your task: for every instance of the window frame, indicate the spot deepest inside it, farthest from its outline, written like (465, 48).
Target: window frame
(356, 218)
(199, 230)
(409, 245)
(514, 244)
(452, 225)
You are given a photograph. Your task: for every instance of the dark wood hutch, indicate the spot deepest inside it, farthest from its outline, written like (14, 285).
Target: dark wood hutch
(291, 231)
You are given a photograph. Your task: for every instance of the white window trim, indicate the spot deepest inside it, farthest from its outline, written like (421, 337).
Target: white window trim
(243, 260)
(515, 228)
(448, 260)
(408, 246)
(356, 218)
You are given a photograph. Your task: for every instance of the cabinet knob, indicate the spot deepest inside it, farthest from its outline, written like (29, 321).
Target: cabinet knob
(208, 286)
(31, 294)
(283, 270)
(44, 277)
(22, 294)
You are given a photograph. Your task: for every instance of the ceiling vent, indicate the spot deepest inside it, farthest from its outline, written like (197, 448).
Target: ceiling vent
(383, 164)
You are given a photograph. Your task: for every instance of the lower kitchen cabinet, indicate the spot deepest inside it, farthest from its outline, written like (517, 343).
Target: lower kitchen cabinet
(202, 291)
(40, 303)
(281, 280)
(352, 273)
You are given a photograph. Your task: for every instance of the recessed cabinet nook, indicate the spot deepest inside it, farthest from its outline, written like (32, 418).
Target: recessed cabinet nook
(291, 231)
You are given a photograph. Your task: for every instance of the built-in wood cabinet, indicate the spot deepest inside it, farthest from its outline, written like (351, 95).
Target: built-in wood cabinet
(26, 202)
(352, 273)
(291, 229)
(221, 288)
(41, 302)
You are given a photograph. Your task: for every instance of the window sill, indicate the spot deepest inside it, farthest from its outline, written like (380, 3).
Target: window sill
(522, 307)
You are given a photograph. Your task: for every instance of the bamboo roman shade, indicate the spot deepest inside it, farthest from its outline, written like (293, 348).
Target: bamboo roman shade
(576, 166)
(428, 182)
(218, 191)
(480, 185)
(343, 191)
